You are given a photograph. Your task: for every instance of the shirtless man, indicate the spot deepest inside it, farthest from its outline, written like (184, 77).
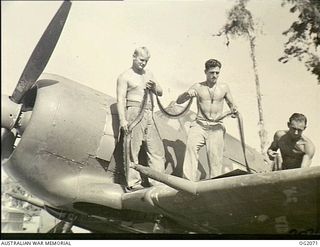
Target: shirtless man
(205, 130)
(135, 89)
(296, 149)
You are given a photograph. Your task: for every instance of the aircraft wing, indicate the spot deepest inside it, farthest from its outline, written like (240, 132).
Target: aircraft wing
(281, 202)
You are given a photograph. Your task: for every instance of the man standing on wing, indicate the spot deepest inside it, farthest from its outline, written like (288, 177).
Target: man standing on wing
(205, 130)
(135, 89)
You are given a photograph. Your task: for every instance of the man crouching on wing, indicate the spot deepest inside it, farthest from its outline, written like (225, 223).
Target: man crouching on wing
(296, 149)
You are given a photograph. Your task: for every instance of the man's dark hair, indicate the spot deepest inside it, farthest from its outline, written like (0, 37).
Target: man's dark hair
(211, 63)
(298, 117)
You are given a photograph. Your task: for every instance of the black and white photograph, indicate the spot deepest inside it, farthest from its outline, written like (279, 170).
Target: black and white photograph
(160, 119)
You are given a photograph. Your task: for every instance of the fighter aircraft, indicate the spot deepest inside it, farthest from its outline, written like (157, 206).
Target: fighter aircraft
(71, 160)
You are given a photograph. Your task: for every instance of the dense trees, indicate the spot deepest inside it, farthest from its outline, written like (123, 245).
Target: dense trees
(304, 35)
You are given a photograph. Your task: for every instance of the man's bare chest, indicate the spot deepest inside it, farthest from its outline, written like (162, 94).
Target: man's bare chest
(291, 148)
(137, 82)
(213, 94)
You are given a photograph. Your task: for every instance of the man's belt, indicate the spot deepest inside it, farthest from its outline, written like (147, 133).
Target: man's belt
(207, 124)
(132, 103)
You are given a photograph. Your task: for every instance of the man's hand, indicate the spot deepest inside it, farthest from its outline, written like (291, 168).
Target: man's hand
(234, 111)
(192, 93)
(151, 85)
(124, 126)
(272, 154)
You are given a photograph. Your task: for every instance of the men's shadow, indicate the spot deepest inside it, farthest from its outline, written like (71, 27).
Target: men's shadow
(115, 122)
(174, 156)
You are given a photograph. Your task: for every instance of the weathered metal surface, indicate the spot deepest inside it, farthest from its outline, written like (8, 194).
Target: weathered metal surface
(172, 181)
(59, 139)
(34, 201)
(283, 202)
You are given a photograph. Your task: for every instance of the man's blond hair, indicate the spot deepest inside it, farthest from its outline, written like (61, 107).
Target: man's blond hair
(141, 50)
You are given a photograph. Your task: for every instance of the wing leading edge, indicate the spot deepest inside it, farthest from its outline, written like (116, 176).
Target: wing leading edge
(266, 203)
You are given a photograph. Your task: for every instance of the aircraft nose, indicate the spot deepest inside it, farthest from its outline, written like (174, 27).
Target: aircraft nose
(13, 119)
(10, 112)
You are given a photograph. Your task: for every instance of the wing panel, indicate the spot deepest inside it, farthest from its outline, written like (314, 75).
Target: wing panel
(272, 203)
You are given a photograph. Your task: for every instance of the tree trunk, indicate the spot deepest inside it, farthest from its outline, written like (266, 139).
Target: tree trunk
(262, 131)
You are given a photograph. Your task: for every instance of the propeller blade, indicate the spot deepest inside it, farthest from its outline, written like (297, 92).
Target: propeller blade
(7, 141)
(41, 53)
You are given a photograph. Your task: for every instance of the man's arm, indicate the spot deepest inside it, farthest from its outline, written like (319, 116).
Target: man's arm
(158, 90)
(229, 100)
(121, 101)
(187, 95)
(309, 149)
(272, 150)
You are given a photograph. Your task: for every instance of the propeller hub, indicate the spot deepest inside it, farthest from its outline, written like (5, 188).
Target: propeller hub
(9, 112)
